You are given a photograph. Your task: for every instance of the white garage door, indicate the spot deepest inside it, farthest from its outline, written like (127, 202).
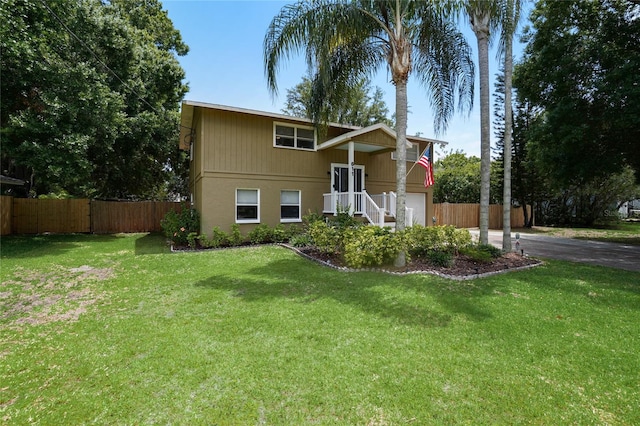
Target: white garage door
(416, 202)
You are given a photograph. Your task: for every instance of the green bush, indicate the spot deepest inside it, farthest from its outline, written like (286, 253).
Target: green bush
(235, 238)
(325, 238)
(284, 234)
(192, 239)
(219, 238)
(370, 246)
(261, 234)
(178, 225)
(423, 240)
(311, 217)
(343, 220)
(301, 240)
(440, 258)
(482, 252)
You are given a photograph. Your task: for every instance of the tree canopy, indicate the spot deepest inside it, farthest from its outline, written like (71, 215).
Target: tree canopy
(580, 73)
(90, 96)
(357, 107)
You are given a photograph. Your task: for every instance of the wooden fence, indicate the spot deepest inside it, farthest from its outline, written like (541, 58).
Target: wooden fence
(468, 215)
(36, 216)
(6, 214)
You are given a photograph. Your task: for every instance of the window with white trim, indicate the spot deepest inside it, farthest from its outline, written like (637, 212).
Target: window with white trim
(290, 206)
(247, 206)
(296, 137)
(413, 153)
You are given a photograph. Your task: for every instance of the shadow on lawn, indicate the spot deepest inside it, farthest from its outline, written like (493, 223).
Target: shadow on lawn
(151, 244)
(30, 246)
(425, 301)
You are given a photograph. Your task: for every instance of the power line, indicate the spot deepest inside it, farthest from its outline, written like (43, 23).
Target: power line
(88, 48)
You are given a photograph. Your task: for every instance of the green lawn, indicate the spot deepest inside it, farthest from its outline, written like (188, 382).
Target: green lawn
(117, 330)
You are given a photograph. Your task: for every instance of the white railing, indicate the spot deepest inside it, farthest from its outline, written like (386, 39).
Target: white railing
(373, 207)
(382, 200)
(372, 211)
(408, 218)
(339, 201)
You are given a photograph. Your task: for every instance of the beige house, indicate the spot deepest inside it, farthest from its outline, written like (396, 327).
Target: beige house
(251, 167)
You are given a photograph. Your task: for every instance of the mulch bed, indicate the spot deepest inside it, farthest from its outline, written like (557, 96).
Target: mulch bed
(463, 266)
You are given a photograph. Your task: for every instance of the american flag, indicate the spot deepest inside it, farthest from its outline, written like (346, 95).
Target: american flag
(424, 162)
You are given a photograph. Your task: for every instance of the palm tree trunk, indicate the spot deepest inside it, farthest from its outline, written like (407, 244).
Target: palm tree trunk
(401, 162)
(481, 29)
(508, 131)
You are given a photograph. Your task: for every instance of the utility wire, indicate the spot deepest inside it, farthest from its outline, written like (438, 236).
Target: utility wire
(88, 48)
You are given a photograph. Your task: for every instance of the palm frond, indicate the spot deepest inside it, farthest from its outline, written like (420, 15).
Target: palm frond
(444, 65)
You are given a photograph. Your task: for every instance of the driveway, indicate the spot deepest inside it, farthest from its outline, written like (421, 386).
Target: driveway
(593, 252)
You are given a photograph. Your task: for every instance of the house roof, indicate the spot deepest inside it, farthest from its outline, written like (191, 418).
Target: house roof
(355, 133)
(363, 140)
(10, 181)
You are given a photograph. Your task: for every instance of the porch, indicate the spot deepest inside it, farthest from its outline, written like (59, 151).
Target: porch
(376, 208)
(348, 179)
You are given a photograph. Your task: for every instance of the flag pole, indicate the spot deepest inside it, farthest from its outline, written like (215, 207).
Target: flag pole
(420, 156)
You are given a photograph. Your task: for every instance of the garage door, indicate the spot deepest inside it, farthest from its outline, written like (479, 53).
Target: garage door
(416, 202)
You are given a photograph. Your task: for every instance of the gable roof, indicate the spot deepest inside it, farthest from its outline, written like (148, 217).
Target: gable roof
(362, 138)
(380, 129)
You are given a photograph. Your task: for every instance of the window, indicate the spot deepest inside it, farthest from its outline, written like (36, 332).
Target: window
(247, 206)
(412, 153)
(287, 136)
(290, 206)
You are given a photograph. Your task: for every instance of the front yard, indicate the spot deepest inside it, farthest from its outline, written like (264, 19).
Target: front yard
(117, 330)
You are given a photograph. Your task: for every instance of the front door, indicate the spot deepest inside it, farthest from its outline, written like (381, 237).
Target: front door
(340, 182)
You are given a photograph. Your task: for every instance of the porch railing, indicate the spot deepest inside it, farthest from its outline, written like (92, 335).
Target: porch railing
(373, 207)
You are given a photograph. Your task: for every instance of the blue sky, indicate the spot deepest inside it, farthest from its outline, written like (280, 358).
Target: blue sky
(225, 66)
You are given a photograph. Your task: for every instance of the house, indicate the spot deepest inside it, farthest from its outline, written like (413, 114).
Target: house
(252, 167)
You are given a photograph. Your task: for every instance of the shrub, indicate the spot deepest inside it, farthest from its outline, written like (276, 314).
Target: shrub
(219, 238)
(440, 258)
(235, 238)
(301, 240)
(325, 238)
(343, 220)
(192, 240)
(370, 246)
(178, 226)
(261, 234)
(283, 234)
(422, 240)
(482, 252)
(311, 217)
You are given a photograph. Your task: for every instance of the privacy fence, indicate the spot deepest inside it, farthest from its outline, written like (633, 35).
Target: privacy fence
(36, 216)
(468, 215)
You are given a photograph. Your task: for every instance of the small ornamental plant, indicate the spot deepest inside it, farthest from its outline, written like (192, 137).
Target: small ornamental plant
(177, 226)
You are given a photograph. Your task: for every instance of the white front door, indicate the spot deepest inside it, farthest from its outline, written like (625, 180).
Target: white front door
(340, 182)
(340, 178)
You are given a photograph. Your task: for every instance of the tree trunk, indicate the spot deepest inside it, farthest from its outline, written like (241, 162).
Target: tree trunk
(401, 164)
(480, 25)
(508, 131)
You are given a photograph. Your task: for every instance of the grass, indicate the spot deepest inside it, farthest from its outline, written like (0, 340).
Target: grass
(117, 330)
(627, 232)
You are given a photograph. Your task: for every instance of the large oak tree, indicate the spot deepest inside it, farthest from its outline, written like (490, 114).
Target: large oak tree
(90, 96)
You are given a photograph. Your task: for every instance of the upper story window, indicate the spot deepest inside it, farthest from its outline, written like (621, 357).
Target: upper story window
(412, 153)
(296, 137)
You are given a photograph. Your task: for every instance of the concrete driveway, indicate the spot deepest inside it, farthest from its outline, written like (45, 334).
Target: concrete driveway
(593, 252)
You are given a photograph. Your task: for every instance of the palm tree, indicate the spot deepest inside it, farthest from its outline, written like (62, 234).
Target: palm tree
(346, 40)
(483, 17)
(510, 17)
